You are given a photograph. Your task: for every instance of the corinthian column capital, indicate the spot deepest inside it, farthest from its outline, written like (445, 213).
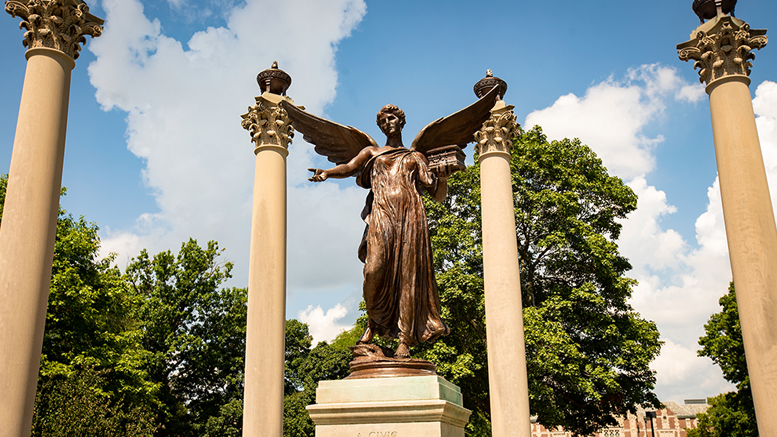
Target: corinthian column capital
(722, 47)
(55, 24)
(268, 123)
(498, 132)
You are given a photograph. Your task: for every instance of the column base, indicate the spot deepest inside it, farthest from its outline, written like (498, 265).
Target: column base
(418, 406)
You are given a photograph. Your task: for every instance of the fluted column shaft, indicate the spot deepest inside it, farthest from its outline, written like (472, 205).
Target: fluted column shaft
(265, 334)
(29, 220)
(722, 49)
(507, 375)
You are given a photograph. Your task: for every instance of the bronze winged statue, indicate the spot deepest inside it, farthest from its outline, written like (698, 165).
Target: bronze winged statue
(400, 289)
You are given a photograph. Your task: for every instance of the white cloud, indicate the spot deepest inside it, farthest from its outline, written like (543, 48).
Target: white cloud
(324, 326)
(685, 375)
(765, 107)
(183, 102)
(650, 248)
(691, 93)
(679, 285)
(611, 115)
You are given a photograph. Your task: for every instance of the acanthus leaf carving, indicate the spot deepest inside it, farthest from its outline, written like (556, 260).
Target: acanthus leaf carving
(724, 50)
(268, 125)
(56, 24)
(498, 132)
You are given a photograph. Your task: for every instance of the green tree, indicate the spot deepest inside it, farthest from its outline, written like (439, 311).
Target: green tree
(74, 405)
(298, 342)
(158, 350)
(588, 351)
(305, 367)
(730, 414)
(194, 334)
(91, 370)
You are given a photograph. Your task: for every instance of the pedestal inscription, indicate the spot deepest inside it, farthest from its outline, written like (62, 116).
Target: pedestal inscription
(419, 406)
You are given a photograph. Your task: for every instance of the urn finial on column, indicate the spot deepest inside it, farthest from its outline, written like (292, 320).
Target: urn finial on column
(487, 83)
(498, 132)
(274, 80)
(267, 121)
(709, 9)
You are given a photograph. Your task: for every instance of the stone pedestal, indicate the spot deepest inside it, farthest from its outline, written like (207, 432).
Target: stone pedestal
(419, 406)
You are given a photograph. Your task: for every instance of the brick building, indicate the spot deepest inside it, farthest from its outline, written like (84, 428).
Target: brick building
(670, 421)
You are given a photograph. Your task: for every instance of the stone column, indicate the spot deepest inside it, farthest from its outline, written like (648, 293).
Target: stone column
(271, 132)
(54, 32)
(722, 48)
(507, 380)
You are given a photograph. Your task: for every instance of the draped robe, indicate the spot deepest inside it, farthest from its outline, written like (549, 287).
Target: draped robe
(400, 289)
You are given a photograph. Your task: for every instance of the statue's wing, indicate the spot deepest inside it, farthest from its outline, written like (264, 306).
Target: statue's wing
(458, 128)
(337, 142)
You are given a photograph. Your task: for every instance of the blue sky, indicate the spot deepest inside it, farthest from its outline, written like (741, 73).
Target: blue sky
(155, 153)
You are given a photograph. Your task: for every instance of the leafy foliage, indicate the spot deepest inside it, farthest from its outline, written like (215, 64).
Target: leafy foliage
(159, 350)
(89, 320)
(588, 351)
(92, 366)
(730, 414)
(298, 341)
(723, 343)
(194, 335)
(305, 367)
(73, 405)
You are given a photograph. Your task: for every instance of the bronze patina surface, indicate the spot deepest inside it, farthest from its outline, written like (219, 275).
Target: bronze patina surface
(400, 289)
(274, 80)
(373, 361)
(489, 82)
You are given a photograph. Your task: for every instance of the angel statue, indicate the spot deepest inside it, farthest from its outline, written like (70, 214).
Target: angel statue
(400, 289)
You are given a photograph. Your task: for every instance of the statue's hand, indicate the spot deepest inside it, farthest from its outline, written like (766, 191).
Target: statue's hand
(318, 175)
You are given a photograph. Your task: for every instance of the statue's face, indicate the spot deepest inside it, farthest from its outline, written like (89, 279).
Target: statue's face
(390, 124)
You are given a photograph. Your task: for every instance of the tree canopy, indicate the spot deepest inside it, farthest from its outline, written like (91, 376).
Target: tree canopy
(588, 351)
(157, 350)
(730, 414)
(305, 367)
(92, 374)
(194, 338)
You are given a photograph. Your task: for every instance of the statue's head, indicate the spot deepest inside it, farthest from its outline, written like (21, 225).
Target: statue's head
(391, 120)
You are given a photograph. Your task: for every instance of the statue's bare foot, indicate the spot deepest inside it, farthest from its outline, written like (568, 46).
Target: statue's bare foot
(402, 351)
(366, 337)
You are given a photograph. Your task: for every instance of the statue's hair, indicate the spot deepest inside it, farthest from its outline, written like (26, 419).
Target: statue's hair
(392, 109)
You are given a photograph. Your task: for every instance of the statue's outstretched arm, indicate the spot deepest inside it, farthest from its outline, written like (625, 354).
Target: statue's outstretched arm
(341, 171)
